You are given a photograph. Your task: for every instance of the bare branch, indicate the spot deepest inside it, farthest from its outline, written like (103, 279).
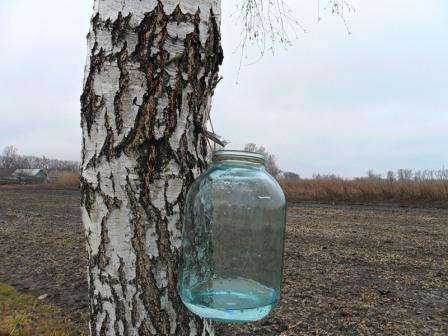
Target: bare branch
(340, 8)
(268, 24)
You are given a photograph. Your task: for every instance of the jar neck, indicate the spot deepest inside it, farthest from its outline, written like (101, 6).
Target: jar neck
(239, 163)
(239, 157)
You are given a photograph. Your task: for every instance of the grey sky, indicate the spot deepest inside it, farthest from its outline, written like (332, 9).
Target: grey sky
(330, 103)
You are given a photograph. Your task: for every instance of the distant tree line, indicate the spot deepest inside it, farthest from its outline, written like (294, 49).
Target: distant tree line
(393, 176)
(411, 175)
(418, 175)
(10, 159)
(400, 175)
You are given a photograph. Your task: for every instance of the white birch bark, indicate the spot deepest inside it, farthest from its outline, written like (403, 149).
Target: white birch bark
(149, 79)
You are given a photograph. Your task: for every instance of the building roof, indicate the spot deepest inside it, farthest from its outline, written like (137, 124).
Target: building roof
(28, 172)
(6, 172)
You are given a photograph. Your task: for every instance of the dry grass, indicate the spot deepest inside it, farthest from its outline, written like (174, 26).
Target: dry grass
(366, 190)
(67, 179)
(25, 315)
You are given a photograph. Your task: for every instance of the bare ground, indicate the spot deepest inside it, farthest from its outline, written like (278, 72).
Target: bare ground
(349, 270)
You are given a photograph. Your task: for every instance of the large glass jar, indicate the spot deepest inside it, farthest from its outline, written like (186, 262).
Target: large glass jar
(233, 238)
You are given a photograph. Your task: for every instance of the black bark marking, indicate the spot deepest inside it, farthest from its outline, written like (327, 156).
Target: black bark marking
(103, 259)
(90, 102)
(122, 59)
(120, 310)
(104, 325)
(144, 279)
(120, 28)
(108, 147)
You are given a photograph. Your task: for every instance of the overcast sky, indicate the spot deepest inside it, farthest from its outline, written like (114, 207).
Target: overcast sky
(331, 103)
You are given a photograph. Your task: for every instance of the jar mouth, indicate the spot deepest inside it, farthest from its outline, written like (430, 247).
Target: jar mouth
(236, 155)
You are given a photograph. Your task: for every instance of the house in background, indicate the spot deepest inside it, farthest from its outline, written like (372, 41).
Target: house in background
(30, 175)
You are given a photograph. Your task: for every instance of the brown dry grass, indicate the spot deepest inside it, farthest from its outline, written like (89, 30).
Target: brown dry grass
(67, 179)
(367, 190)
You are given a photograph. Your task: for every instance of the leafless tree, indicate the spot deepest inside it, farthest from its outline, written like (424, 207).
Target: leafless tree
(12, 160)
(442, 174)
(390, 176)
(9, 158)
(149, 80)
(404, 174)
(371, 175)
(291, 176)
(271, 161)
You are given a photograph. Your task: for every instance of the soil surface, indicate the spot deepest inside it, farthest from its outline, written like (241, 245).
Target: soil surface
(42, 247)
(349, 270)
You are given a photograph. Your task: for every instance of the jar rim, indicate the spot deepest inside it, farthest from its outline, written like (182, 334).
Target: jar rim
(238, 155)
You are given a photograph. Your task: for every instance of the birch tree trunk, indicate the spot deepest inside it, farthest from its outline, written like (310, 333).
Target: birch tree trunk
(149, 79)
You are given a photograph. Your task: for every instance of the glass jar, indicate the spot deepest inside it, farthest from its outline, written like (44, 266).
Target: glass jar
(233, 239)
